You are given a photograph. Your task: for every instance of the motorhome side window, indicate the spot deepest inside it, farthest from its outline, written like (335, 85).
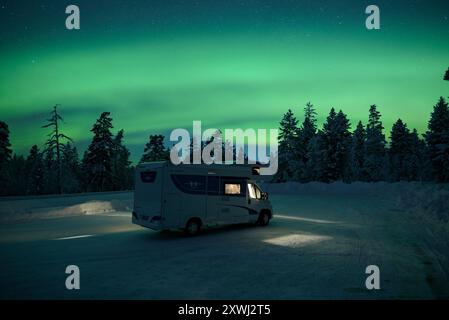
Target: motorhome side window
(194, 184)
(213, 184)
(148, 176)
(234, 187)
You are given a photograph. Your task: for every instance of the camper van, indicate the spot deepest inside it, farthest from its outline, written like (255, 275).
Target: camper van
(190, 197)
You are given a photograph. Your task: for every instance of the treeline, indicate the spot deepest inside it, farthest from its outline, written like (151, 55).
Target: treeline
(306, 153)
(333, 152)
(56, 167)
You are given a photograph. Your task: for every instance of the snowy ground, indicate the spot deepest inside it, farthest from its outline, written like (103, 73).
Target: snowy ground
(318, 245)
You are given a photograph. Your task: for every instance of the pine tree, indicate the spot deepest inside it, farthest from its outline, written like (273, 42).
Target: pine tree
(55, 143)
(337, 137)
(155, 149)
(317, 166)
(70, 169)
(287, 145)
(415, 158)
(358, 153)
(446, 75)
(375, 147)
(16, 169)
(305, 134)
(5, 145)
(308, 127)
(5, 158)
(50, 172)
(399, 150)
(97, 160)
(437, 138)
(121, 164)
(35, 172)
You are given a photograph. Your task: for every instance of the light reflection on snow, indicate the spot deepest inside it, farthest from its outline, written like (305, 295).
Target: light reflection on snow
(297, 240)
(281, 216)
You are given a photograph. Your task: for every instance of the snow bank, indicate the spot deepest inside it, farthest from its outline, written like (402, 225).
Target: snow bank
(424, 200)
(427, 201)
(430, 204)
(25, 208)
(335, 188)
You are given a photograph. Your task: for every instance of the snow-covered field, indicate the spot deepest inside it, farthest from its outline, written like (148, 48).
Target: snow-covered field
(318, 245)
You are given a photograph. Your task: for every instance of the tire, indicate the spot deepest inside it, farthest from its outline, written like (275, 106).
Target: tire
(193, 227)
(264, 218)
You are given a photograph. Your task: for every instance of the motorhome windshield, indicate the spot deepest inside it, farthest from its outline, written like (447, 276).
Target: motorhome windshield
(254, 191)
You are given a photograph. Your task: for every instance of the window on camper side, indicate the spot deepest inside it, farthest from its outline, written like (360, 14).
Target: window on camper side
(193, 184)
(234, 187)
(213, 184)
(148, 176)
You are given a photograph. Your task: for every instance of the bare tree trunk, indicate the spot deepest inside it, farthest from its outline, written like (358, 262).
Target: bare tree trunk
(58, 154)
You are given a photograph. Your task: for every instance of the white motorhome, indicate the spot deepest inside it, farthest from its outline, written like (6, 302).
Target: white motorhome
(190, 197)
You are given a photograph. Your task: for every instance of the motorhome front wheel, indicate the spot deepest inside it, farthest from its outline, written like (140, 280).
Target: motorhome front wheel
(193, 227)
(264, 218)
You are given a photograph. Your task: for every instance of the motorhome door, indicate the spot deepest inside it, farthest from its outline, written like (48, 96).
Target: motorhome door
(233, 201)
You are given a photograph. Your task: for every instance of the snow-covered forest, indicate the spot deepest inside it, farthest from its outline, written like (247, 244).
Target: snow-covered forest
(306, 153)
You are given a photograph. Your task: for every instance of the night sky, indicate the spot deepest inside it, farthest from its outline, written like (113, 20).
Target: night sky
(159, 65)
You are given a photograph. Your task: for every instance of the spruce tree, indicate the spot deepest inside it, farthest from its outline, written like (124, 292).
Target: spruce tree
(35, 172)
(5, 145)
(5, 158)
(317, 166)
(120, 163)
(415, 158)
(375, 147)
(17, 170)
(437, 138)
(337, 137)
(51, 179)
(399, 151)
(70, 169)
(446, 75)
(305, 134)
(55, 143)
(97, 160)
(155, 149)
(357, 153)
(287, 145)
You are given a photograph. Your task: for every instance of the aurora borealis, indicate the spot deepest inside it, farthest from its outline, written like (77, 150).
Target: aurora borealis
(159, 65)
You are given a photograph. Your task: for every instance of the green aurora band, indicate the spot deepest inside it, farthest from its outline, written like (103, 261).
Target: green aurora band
(236, 69)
